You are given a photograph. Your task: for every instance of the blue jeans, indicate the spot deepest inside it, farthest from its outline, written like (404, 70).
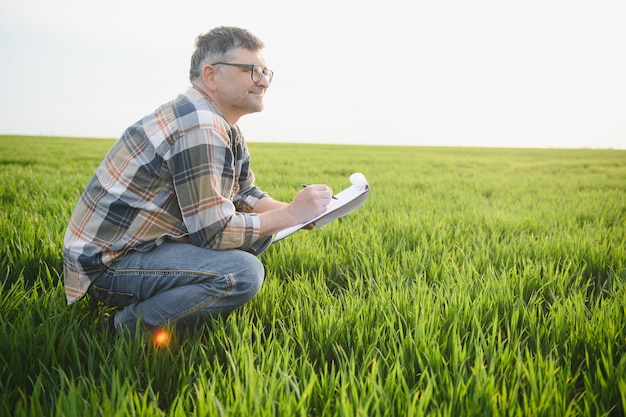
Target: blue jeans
(178, 284)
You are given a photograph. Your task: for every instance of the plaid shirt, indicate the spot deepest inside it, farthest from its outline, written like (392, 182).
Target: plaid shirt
(181, 173)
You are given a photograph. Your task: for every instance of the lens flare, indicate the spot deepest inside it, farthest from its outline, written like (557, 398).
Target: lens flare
(161, 337)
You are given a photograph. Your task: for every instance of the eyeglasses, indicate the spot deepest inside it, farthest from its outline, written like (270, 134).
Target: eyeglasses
(256, 72)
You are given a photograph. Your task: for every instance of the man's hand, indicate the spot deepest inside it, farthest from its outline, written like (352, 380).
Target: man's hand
(310, 202)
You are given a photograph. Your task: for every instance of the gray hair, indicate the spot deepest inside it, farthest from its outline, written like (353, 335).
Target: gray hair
(218, 44)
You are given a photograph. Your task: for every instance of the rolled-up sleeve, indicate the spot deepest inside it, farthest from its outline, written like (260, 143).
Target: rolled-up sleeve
(249, 194)
(206, 180)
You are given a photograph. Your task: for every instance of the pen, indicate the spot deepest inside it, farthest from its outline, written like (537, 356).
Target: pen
(304, 186)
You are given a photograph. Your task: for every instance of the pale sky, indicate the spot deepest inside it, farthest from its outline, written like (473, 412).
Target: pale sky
(527, 73)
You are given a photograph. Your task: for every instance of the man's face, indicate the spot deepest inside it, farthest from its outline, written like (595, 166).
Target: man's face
(238, 94)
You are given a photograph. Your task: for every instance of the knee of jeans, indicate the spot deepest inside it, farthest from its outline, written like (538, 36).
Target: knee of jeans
(250, 278)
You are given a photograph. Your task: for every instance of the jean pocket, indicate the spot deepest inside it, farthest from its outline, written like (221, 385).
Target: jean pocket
(112, 298)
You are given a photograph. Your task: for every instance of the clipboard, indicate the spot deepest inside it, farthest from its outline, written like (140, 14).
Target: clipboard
(345, 203)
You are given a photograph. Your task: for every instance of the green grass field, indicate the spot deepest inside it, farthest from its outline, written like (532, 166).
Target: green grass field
(473, 282)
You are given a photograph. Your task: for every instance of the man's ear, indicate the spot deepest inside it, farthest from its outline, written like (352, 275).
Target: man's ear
(208, 77)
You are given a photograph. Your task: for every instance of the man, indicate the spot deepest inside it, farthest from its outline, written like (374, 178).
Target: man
(169, 226)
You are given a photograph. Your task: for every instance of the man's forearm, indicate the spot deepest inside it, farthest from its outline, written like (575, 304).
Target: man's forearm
(268, 204)
(273, 216)
(308, 203)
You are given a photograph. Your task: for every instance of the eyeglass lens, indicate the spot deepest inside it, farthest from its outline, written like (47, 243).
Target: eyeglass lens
(257, 73)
